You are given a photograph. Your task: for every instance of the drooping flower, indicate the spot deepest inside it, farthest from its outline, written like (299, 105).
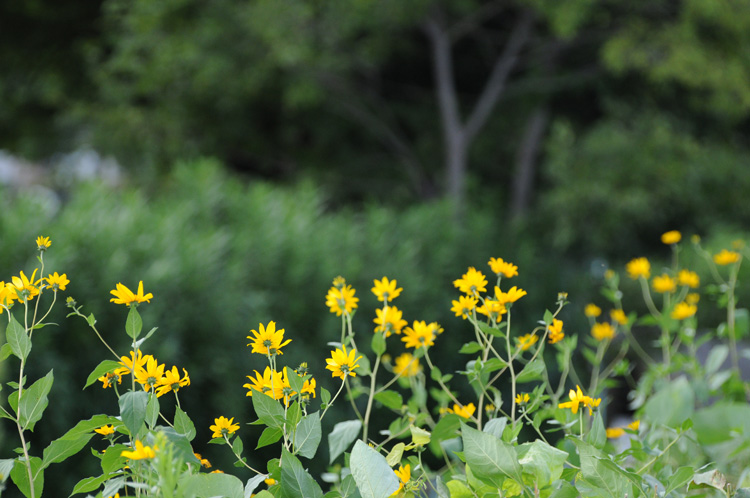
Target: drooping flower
(513, 295)
(464, 306)
(603, 330)
(638, 267)
(389, 320)
(671, 237)
(308, 388)
(105, 430)
(618, 316)
(407, 365)
(465, 411)
(25, 288)
(224, 427)
(683, 310)
(663, 284)
(526, 341)
(342, 363)
(404, 475)
(472, 282)
(268, 341)
(57, 282)
(43, 243)
(270, 383)
(204, 462)
(341, 300)
(385, 290)
(500, 267)
(725, 257)
(150, 375)
(689, 278)
(522, 399)
(109, 379)
(125, 296)
(418, 335)
(555, 331)
(140, 453)
(592, 310)
(172, 381)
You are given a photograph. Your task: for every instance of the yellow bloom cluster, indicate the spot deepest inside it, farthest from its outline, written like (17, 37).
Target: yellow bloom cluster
(276, 385)
(577, 398)
(149, 373)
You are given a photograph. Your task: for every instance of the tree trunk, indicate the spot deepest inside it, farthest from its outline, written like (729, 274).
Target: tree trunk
(526, 158)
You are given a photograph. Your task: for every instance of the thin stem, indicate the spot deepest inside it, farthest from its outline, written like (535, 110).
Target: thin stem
(512, 373)
(351, 399)
(442, 385)
(651, 462)
(373, 377)
(330, 403)
(239, 459)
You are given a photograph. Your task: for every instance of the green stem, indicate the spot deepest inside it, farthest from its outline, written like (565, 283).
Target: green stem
(330, 403)
(373, 377)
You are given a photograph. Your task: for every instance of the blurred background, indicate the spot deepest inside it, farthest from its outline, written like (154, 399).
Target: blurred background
(236, 156)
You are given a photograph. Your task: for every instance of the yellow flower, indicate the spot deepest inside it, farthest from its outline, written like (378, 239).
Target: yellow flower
(270, 481)
(389, 320)
(522, 399)
(217, 471)
(555, 331)
(726, 257)
(683, 310)
(172, 381)
(308, 388)
(618, 316)
(464, 306)
(692, 298)
(634, 425)
(592, 310)
(43, 243)
(489, 408)
(57, 282)
(602, 331)
(109, 379)
(407, 365)
(224, 427)
(664, 283)
(204, 462)
(493, 309)
(342, 363)
(638, 267)
(123, 295)
(609, 274)
(150, 376)
(472, 282)
(341, 300)
(671, 237)
(513, 295)
(463, 411)
(268, 341)
(418, 335)
(270, 383)
(105, 430)
(140, 453)
(689, 278)
(526, 341)
(500, 267)
(25, 288)
(577, 398)
(615, 432)
(128, 363)
(339, 282)
(7, 295)
(404, 474)
(386, 290)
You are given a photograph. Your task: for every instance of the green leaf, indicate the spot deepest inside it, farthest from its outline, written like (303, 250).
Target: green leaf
(34, 400)
(308, 435)
(544, 462)
(269, 436)
(349, 488)
(19, 341)
(253, 483)
(446, 427)
(133, 323)
(565, 490)
(394, 456)
(88, 484)
(378, 343)
(91, 320)
(490, 330)
(390, 399)
(152, 410)
(210, 485)
(263, 494)
(491, 459)
(182, 446)
(6, 465)
(133, 410)
(112, 459)
(671, 405)
(102, 368)
(325, 395)
(419, 436)
(681, 477)
(548, 317)
(371, 472)
(20, 476)
(470, 348)
(5, 351)
(532, 371)
(610, 483)
(341, 437)
(716, 358)
(183, 425)
(436, 374)
(60, 449)
(268, 410)
(496, 426)
(295, 381)
(295, 481)
(597, 435)
(459, 489)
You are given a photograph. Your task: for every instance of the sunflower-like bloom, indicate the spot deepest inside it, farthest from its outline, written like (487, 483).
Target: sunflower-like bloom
(43, 243)
(25, 288)
(464, 306)
(341, 300)
(465, 411)
(419, 334)
(105, 430)
(592, 310)
(638, 267)
(308, 388)
(513, 295)
(342, 363)
(204, 461)
(404, 475)
(683, 310)
(133, 363)
(389, 320)
(224, 427)
(725, 257)
(109, 379)
(385, 290)
(555, 331)
(493, 309)
(578, 398)
(671, 237)
(472, 282)
(689, 279)
(663, 284)
(522, 399)
(526, 341)
(618, 316)
(150, 376)
(7, 295)
(140, 453)
(406, 365)
(57, 282)
(268, 341)
(601, 331)
(172, 381)
(692, 298)
(500, 267)
(270, 383)
(125, 296)
(615, 432)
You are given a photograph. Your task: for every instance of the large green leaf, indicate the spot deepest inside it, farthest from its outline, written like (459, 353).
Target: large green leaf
(341, 437)
(490, 458)
(295, 481)
(543, 461)
(269, 410)
(308, 435)
(88, 484)
(211, 485)
(671, 405)
(102, 368)
(16, 336)
(133, 410)
(20, 476)
(371, 472)
(133, 323)
(183, 424)
(607, 480)
(34, 400)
